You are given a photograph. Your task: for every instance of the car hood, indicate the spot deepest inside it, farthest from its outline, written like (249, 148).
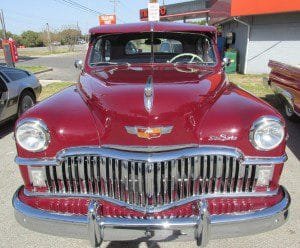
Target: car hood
(181, 96)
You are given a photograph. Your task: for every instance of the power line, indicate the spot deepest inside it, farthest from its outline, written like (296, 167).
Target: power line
(79, 6)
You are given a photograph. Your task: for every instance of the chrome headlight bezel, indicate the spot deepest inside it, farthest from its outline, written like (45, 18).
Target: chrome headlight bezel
(33, 124)
(265, 121)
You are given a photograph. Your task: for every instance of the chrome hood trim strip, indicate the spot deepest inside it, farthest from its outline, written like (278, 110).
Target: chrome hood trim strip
(150, 157)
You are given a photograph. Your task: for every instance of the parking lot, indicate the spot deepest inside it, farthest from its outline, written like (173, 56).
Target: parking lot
(13, 235)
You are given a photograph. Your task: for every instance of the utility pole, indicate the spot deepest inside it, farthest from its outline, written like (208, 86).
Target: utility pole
(115, 2)
(49, 36)
(3, 24)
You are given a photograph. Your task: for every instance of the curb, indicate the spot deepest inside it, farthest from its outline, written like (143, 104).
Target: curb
(43, 71)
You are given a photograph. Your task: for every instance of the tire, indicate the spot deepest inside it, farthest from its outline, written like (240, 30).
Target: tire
(27, 100)
(289, 113)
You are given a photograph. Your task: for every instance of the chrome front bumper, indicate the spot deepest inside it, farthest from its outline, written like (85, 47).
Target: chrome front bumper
(201, 228)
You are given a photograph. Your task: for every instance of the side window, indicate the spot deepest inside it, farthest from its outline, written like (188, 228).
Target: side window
(15, 75)
(205, 50)
(3, 78)
(96, 53)
(101, 51)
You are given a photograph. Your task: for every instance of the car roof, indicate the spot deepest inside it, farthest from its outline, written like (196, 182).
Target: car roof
(151, 26)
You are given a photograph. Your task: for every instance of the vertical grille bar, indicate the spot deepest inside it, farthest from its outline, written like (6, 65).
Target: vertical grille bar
(219, 173)
(140, 182)
(166, 182)
(174, 180)
(151, 183)
(204, 175)
(182, 177)
(158, 182)
(197, 168)
(117, 180)
(124, 189)
(103, 175)
(188, 183)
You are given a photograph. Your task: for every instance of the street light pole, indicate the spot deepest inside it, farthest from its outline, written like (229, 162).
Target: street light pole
(3, 24)
(49, 36)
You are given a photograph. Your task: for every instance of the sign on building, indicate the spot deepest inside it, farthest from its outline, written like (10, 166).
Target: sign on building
(107, 19)
(153, 12)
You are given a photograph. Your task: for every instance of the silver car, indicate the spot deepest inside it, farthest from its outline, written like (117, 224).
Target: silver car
(19, 90)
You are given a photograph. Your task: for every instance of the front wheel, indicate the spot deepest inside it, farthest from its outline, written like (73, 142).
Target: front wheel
(289, 113)
(27, 100)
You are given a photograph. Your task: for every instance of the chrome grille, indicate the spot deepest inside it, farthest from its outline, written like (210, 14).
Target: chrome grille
(150, 183)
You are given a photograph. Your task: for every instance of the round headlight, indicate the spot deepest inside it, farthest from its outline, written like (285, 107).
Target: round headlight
(32, 135)
(267, 133)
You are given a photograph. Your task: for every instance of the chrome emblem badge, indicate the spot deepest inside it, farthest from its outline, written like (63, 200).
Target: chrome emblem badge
(149, 132)
(148, 94)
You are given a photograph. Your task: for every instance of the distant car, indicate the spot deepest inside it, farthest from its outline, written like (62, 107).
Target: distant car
(284, 80)
(19, 90)
(81, 42)
(56, 43)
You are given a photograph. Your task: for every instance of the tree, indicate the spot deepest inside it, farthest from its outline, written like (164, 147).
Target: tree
(31, 39)
(70, 36)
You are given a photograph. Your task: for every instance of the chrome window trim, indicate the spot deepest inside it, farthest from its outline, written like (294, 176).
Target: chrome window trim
(150, 157)
(151, 209)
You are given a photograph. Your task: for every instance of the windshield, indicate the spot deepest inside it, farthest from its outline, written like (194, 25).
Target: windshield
(153, 47)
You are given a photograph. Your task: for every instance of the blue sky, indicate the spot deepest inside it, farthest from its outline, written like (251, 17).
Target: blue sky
(23, 15)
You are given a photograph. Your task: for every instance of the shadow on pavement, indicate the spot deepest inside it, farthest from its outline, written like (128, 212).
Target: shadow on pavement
(6, 128)
(26, 58)
(293, 127)
(133, 244)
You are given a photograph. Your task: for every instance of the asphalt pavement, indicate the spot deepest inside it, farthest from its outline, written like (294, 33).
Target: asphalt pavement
(62, 64)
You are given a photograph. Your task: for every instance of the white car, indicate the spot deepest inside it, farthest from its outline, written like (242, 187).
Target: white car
(19, 90)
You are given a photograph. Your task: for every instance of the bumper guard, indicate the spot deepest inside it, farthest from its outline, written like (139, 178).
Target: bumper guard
(201, 228)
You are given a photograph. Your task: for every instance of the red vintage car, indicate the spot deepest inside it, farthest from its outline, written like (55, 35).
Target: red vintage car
(284, 80)
(151, 144)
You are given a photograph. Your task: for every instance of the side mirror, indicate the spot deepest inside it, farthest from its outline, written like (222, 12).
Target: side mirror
(226, 62)
(78, 64)
(3, 87)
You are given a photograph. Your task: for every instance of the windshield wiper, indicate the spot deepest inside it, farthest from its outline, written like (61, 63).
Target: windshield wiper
(110, 63)
(104, 63)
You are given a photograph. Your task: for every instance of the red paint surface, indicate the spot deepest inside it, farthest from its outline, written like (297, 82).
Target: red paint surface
(147, 26)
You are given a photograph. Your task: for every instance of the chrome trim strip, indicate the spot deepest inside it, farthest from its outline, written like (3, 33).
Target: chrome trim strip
(153, 209)
(221, 226)
(150, 148)
(149, 94)
(150, 157)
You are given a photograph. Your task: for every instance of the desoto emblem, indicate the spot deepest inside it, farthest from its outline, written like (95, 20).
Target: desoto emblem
(149, 132)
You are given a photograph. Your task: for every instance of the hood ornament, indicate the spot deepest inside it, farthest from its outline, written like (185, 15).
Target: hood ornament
(148, 94)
